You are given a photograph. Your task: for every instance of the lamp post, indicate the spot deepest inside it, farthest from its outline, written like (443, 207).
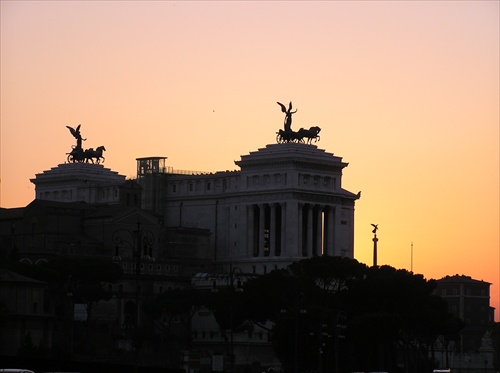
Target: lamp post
(323, 337)
(297, 312)
(339, 334)
(137, 240)
(233, 279)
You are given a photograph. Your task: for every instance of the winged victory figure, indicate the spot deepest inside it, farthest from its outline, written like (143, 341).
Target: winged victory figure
(288, 115)
(76, 134)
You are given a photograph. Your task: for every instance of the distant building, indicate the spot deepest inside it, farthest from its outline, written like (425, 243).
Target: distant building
(469, 300)
(26, 315)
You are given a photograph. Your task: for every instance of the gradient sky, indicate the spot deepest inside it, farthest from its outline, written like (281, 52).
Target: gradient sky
(407, 92)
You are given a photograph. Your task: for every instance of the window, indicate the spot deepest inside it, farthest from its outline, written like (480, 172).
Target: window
(208, 185)
(174, 188)
(190, 187)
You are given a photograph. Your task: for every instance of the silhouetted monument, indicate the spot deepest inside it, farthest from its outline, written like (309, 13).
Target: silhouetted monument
(288, 116)
(77, 154)
(288, 135)
(375, 240)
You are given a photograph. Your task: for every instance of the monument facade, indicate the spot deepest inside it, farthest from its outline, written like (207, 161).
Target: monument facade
(286, 203)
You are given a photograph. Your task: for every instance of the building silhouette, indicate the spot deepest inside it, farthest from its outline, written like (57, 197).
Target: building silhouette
(286, 203)
(469, 299)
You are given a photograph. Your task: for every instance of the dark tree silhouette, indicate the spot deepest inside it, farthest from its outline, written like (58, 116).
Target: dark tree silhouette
(390, 318)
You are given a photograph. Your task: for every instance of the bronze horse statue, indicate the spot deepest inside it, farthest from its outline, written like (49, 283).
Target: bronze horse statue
(90, 154)
(291, 136)
(79, 155)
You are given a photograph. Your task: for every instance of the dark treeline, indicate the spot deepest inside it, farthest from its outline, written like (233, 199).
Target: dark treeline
(334, 314)
(326, 314)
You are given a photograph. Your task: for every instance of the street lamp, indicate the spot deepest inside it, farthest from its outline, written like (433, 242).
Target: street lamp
(339, 334)
(323, 337)
(298, 311)
(233, 279)
(139, 240)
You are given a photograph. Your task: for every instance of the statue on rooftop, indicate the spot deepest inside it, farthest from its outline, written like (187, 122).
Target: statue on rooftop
(288, 115)
(78, 154)
(76, 134)
(288, 135)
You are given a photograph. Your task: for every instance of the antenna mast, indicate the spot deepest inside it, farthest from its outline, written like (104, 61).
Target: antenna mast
(411, 266)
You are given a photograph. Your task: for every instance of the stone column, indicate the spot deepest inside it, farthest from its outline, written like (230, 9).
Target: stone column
(291, 229)
(330, 231)
(336, 235)
(319, 232)
(262, 221)
(309, 230)
(272, 230)
(250, 230)
(300, 230)
(283, 229)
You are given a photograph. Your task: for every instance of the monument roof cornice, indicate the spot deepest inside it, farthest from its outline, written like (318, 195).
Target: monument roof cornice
(77, 172)
(291, 154)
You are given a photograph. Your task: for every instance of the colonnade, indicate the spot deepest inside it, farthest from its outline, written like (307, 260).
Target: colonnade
(292, 229)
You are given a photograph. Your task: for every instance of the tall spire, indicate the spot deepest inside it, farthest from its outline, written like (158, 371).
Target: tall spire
(375, 240)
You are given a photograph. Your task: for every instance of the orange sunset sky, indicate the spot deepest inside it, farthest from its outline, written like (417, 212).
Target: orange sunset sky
(407, 92)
